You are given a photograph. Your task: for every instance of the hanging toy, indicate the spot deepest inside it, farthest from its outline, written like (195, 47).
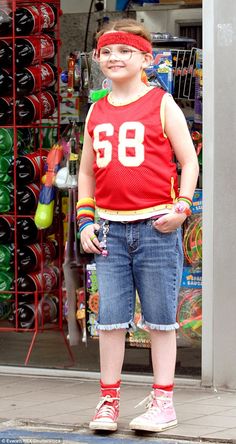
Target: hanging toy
(189, 315)
(64, 76)
(97, 94)
(192, 241)
(71, 74)
(80, 313)
(44, 212)
(67, 177)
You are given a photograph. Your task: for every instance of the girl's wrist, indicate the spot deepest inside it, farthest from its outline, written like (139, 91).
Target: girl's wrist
(84, 223)
(85, 209)
(185, 199)
(182, 206)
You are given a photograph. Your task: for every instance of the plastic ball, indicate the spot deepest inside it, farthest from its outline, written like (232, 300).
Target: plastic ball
(64, 76)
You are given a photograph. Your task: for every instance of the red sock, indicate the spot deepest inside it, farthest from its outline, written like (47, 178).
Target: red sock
(166, 388)
(108, 386)
(111, 390)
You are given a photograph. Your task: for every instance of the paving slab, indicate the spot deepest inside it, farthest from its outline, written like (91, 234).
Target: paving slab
(67, 405)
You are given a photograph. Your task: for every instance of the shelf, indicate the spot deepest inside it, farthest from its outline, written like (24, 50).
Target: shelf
(169, 5)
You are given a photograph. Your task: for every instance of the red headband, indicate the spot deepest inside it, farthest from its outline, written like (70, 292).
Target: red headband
(124, 38)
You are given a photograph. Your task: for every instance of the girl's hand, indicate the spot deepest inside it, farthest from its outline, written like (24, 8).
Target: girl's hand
(89, 240)
(169, 222)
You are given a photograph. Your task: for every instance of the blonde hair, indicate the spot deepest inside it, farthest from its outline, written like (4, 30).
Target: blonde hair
(126, 25)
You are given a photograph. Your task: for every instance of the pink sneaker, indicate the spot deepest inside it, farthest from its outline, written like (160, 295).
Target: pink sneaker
(160, 414)
(107, 410)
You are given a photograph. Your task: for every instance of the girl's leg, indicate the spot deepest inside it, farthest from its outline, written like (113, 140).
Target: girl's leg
(163, 347)
(116, 308)
(161, 413)
(157, 274)
(112, 349)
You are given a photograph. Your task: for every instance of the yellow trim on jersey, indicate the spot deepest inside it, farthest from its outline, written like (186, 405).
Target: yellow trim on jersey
(162, 113)
(135, 212)
(172, 193)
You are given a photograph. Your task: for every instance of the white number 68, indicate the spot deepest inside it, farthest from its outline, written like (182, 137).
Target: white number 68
(103, 148)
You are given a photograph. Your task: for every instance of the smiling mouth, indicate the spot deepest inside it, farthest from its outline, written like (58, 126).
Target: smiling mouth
(115, 66)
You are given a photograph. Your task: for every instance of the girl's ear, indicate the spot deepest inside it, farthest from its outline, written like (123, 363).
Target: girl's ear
(148, 58)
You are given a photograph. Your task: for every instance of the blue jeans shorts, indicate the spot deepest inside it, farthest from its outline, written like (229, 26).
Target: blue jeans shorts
(141, 259)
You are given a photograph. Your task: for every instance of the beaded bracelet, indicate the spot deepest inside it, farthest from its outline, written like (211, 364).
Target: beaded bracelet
(185, 199)
(183, 205)
(182, 208)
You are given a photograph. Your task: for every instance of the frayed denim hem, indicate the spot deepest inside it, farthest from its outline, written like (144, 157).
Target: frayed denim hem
(130, 326)
(160, 326)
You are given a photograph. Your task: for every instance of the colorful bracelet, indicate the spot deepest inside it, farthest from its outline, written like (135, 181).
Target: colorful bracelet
(182, 207)
(85, 223)
(85, 208)
(185, 199)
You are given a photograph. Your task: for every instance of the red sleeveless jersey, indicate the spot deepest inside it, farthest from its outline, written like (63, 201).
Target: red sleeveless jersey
(133, 166)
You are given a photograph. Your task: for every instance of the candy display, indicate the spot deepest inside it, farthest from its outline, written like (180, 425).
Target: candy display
(34, 19)
(32, 50)
(30, 261)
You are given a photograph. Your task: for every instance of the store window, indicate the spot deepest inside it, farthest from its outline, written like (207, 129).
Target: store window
(192, 31)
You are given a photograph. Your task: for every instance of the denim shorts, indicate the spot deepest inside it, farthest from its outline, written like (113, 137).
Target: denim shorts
(141, 259)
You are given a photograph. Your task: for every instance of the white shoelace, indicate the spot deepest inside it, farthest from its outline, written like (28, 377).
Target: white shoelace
(162, 401)
(106, 409)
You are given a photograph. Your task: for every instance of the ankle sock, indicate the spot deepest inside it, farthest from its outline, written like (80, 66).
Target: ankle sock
(166, 388)
(108, 386)
(112, 390)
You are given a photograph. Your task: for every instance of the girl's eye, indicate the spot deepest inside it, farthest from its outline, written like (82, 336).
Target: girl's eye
(125, 51)
(105, 52)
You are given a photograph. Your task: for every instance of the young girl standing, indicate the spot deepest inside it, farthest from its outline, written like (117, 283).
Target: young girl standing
(127, 171)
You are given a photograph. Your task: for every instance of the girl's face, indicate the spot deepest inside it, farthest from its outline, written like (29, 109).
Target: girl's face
(122, 62)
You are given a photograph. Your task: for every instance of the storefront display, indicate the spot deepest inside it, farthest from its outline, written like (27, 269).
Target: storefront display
(30, 262)
(38, 171)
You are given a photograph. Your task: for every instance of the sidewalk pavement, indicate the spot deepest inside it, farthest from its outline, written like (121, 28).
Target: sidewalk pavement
(67, 405)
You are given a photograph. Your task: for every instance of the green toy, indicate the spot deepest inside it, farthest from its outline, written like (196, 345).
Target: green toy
(98, 94)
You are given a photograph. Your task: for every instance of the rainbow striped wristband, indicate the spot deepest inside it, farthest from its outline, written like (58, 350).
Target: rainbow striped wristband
(85, 208)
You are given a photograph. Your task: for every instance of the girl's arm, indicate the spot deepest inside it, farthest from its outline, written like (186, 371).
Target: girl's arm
(86, 188)
(176, 129)
(86, 181)
(177, 132)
